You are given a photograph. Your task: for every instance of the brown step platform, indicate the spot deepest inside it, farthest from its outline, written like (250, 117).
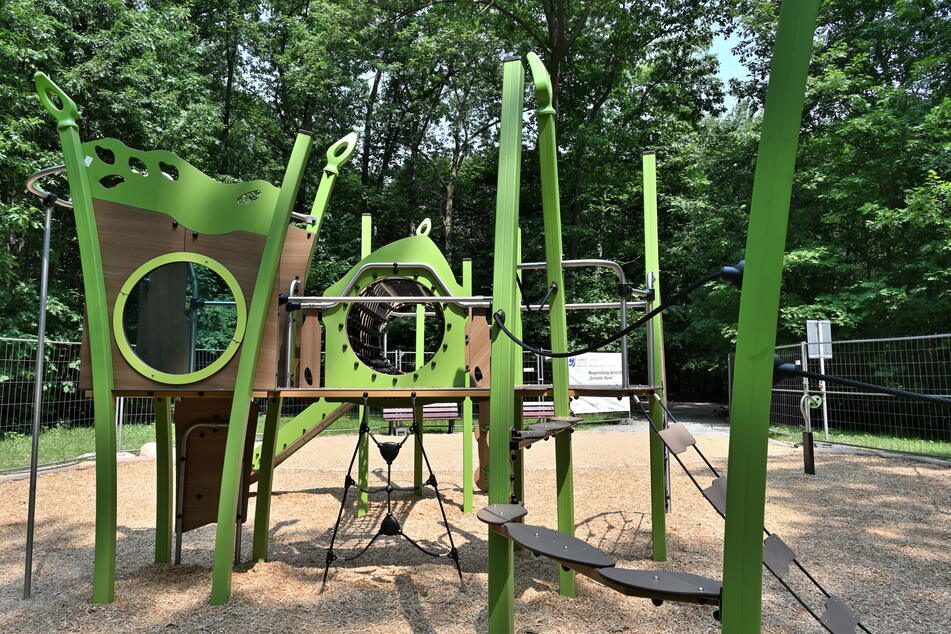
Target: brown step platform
(522, 438)
(677, 438)
(665, 586)
(557, 546)
(500, 514)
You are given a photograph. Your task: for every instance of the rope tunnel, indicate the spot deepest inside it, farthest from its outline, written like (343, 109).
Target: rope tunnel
(369, 323)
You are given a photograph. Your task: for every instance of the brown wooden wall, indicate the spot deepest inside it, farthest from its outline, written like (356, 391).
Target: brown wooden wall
(129, 237)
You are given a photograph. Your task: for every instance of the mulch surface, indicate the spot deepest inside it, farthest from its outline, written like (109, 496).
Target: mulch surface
(875, 531)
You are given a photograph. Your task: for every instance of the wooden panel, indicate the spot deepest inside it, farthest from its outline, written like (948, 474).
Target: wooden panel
(294, 263)
(240, 253)
(204, 450)
(478, 346)
(128, 238)
(311, 333)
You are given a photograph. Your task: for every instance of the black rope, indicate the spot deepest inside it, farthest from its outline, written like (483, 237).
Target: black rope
(790, 370)
(674, 299)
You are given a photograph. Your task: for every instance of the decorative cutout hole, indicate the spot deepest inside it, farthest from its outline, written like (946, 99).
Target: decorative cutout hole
(138, 166)
(111, 180)
(105, 155)
(341, 149)
(168, 171)
(249, 197)
(54, 99)
(308, 376)
(478, 374)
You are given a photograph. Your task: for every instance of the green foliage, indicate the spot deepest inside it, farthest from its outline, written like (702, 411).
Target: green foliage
(226, 85)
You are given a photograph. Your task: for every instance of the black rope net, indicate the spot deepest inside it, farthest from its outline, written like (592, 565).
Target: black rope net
(390, 526)
(369, 323)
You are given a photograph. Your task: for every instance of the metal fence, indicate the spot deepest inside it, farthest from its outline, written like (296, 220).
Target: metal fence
(67, 414)
(850, 416)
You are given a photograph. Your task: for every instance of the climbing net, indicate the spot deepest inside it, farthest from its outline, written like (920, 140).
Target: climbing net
(390, 526)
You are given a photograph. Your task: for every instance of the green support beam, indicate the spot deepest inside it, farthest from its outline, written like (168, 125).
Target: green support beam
(551, 209)
(759, 306)
(262, 507)
(98, 333)
(505, 358)
(655, 371)
(247, 366)
(164, 496)
(363, 457)
(467, 477)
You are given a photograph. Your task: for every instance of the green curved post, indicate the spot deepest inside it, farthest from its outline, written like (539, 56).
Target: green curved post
(247, 365)
(337, 154)
(363, 458)
(759, 306)
(505, 361)
(97, 321)
(655, 371)
(551, 209)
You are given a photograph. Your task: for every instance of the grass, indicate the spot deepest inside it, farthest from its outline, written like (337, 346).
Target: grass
(885, 442)
(65, 443)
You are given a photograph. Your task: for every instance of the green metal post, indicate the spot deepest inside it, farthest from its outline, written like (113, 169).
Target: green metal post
(504, 363)
(164, 500)
(98, 333)
(262, 507)
(467, 411)
(247, 366)
(655, 369)
(363, 459)
(518, 457)
(420, 360)
(551, 209)
(759, 306)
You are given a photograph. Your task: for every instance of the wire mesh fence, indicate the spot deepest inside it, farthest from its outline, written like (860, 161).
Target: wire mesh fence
(850, 416)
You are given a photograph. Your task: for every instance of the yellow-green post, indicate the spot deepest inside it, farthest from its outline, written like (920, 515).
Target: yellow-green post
(655, 363)
(505, 359)
(98, 333)
(164, 498)
(759, 307)
(262, 507)
(551, 210)
(247, 366)
(363, 459)
(467, 477)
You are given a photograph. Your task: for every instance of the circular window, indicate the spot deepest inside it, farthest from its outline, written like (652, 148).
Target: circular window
(179, 318)
(383, 334)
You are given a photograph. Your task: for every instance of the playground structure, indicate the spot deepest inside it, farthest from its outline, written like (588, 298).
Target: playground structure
(155, 233)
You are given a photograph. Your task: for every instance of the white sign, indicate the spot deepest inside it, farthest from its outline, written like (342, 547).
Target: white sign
(819, 338)
(597, 368)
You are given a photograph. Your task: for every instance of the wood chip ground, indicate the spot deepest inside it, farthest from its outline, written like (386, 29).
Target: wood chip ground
(875, 531)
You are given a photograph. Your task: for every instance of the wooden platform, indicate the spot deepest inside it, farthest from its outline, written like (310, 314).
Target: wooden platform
(423, 394)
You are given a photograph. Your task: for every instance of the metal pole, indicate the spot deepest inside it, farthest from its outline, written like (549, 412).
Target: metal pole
(37, 401)
(808, 448)
(822, 390)
(120, 414)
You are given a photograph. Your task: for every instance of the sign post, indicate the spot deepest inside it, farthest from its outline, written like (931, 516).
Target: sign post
(819, 338)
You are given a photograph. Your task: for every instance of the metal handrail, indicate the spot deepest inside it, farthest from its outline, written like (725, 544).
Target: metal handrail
(32, 187)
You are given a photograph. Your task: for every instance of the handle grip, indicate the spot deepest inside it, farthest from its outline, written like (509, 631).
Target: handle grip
(340, 152)
(66, 114)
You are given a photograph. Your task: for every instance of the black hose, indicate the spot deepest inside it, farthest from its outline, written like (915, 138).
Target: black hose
(676, 298)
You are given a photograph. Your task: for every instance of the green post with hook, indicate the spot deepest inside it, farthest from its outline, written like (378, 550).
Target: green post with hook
(467, 411)
(98, 333)
(551, 209)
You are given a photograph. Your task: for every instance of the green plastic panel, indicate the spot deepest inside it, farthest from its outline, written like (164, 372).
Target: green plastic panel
(447, 368)
(161, 181)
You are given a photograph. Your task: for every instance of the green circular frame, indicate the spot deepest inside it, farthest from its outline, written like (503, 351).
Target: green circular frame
(189, 377)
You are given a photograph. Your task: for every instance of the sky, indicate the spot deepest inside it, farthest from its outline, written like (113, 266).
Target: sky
(730, 66)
